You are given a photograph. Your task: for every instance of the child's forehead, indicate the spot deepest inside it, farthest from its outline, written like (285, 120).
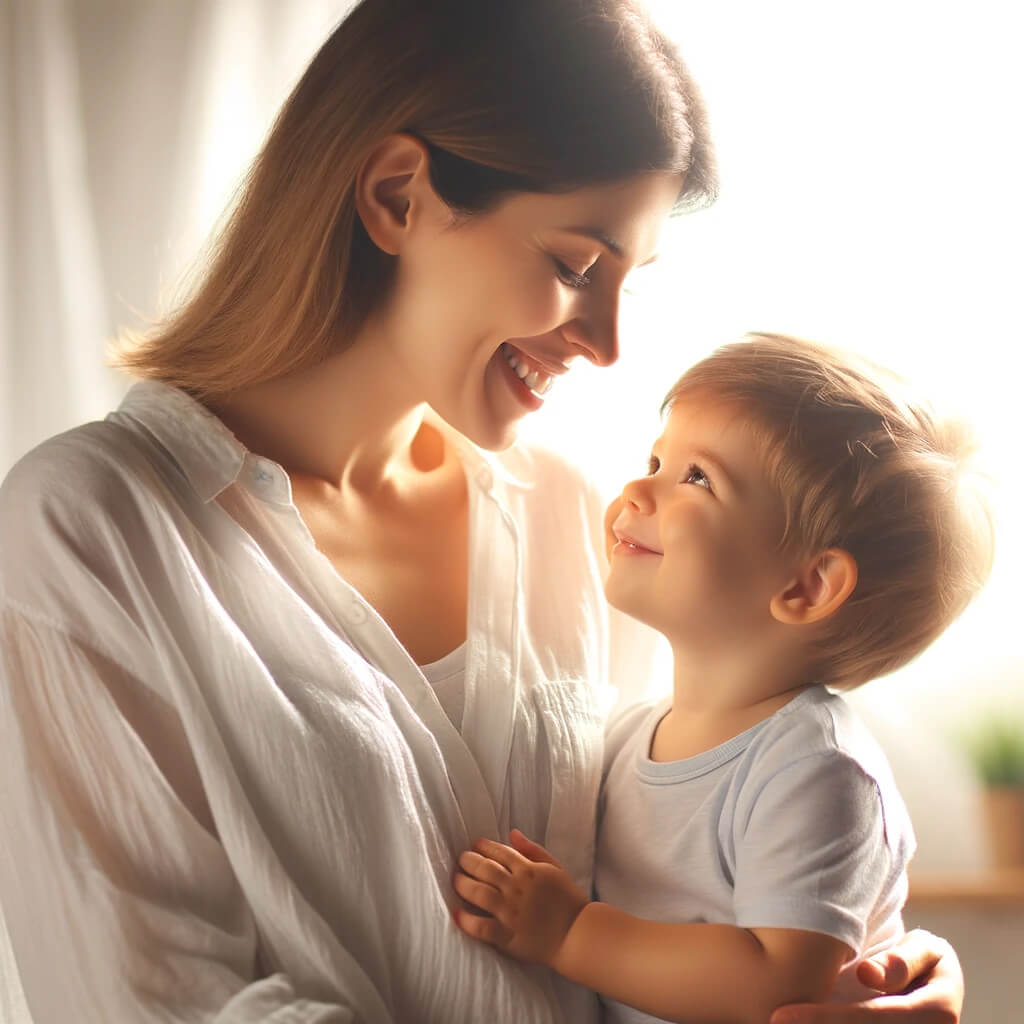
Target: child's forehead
(707, 413)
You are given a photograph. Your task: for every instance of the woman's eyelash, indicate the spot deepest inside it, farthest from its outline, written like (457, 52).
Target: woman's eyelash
(653, 465)
(569, 276)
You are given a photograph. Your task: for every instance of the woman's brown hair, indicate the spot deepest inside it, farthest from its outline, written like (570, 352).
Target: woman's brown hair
(530, 95)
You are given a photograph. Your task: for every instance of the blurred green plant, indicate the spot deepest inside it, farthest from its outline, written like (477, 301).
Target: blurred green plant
(995, 746)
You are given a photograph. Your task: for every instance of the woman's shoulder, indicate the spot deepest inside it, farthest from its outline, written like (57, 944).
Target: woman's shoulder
(535, 465)
(77, 468)
(73, 489)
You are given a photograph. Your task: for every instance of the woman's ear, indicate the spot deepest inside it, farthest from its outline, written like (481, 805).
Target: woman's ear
(393, 190)
(818, 590)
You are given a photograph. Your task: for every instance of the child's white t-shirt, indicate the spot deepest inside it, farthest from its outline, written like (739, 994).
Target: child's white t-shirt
(795, 823)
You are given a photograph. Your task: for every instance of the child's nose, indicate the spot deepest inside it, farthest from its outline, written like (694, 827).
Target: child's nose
(636, 495)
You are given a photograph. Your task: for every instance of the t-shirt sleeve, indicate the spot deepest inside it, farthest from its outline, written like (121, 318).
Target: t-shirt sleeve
(812, 850)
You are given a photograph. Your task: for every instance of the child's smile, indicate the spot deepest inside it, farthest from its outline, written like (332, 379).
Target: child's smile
(694, 544)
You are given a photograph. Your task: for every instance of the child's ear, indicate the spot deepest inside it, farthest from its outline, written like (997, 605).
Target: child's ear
(818, 590)
(393, 190)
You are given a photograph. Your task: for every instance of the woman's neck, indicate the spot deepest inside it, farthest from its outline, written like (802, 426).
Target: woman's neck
(342, 422)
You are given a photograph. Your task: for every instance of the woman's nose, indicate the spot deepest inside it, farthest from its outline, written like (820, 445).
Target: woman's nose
(595, 333)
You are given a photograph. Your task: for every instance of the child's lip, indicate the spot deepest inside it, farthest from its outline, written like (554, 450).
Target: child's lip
(630, 541)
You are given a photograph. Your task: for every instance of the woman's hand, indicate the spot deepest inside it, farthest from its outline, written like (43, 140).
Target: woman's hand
(531, 898)
(921, 976)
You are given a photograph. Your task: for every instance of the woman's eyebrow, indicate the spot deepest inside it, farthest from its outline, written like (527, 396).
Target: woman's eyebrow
(599, 236)
(607, 242)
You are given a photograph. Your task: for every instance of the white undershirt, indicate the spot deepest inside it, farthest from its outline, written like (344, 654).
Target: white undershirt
(447, 678)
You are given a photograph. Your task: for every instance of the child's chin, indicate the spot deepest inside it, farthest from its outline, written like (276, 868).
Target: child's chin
(621, 602)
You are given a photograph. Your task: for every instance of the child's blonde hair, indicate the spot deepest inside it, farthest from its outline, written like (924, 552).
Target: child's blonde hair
(861, 466)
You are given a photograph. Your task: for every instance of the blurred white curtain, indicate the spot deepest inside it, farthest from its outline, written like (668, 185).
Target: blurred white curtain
(124, 127)
(51, 311)
(52, 315)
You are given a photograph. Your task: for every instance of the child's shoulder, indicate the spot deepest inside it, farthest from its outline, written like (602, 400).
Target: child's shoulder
(819, 740)
(823, 724)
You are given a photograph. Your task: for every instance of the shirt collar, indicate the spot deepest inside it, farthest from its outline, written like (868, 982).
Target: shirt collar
(210, 456)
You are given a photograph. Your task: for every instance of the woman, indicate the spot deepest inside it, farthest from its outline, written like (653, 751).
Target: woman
(278, 638)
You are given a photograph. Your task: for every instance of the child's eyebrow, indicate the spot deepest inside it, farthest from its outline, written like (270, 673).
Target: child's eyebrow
(717, 468)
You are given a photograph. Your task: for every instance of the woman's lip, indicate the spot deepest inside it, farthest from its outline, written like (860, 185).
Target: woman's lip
(552, 369)
(524, 395)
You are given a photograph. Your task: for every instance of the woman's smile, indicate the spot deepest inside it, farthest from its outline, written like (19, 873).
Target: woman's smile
(530, 375)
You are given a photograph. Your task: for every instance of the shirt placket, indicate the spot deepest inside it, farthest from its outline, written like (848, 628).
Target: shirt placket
(472, 812)
(493, 653)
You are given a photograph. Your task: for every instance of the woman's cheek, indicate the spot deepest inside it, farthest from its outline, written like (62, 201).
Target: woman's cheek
(546, 309)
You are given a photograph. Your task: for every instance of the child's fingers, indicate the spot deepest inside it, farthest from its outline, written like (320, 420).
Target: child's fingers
(483, 869)
(480, 894)
(529, 849)
(499, 852)
(486, 929)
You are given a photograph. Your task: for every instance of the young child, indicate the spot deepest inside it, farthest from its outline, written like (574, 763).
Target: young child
(801, 529)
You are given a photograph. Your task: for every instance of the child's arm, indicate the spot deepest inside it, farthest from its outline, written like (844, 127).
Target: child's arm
(693, 972)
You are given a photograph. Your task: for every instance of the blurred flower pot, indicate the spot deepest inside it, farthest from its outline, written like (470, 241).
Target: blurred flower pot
(1003, 808)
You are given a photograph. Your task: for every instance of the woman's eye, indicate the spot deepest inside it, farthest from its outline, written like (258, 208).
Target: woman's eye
(653, 465)
(569, 276)
(696, 475)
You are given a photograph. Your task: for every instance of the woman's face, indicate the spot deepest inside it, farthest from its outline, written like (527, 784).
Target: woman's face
(488, 312)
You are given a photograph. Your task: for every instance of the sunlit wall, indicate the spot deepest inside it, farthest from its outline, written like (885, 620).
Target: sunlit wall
(871, 167)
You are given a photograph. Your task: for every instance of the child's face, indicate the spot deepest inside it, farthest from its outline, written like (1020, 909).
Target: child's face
(693, 545)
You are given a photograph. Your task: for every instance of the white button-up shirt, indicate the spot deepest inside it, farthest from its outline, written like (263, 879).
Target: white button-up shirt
(227, 792)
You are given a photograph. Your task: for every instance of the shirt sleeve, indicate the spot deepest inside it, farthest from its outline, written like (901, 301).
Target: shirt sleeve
(119, 899)
(812, 851)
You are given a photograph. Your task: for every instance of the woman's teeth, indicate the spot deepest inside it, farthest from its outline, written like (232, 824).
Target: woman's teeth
(536, 380)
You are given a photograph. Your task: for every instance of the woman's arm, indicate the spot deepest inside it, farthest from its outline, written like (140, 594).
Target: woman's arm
(119, 899)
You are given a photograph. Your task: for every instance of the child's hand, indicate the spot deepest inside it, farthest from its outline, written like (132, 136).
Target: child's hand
(532, 899)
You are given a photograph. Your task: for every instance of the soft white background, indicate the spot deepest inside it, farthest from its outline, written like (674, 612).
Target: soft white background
(871, 159)
(871, 162)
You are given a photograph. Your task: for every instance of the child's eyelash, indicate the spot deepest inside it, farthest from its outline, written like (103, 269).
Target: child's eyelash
(694, 470)
(569, 276)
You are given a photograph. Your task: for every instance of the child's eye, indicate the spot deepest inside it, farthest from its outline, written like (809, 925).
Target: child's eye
(653, 465)
(695, 475)
(569, 276)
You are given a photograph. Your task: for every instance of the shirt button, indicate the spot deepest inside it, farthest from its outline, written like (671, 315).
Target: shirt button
(357, 613)
(262, 473)
(485, 478)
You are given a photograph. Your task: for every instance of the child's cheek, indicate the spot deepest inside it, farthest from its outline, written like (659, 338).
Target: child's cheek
(610, 515)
